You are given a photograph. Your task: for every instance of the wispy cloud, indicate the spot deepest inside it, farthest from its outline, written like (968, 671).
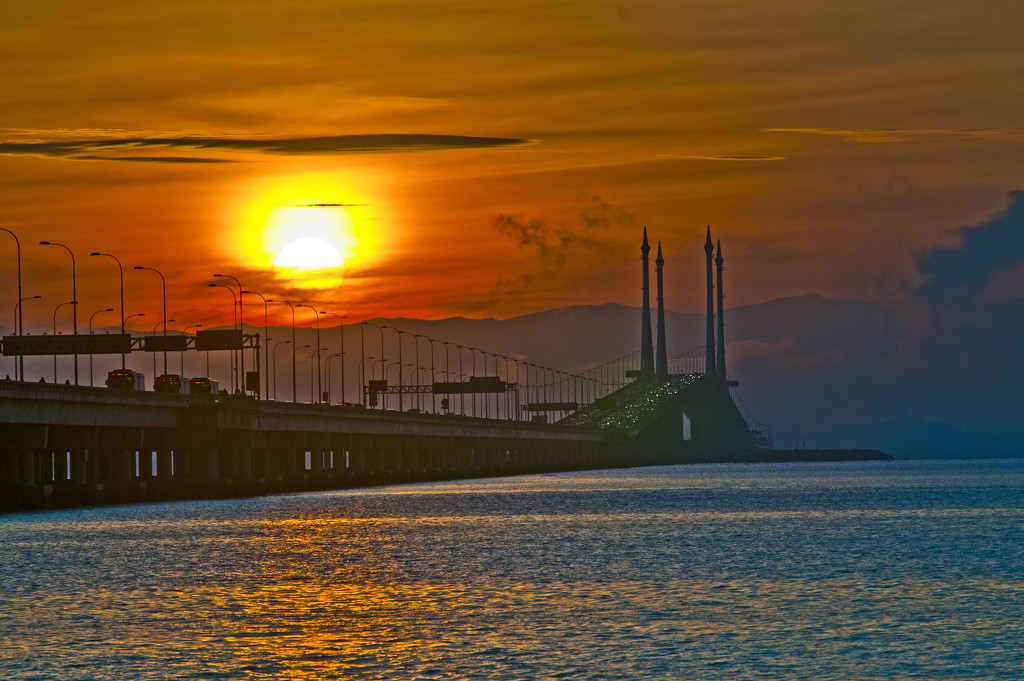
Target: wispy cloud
(725, 157)
(888, 135)
(153, 159)
(329, 205)
(123, 148)
(561, 255)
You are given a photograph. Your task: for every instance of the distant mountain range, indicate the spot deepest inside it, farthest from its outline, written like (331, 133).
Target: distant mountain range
(917, 383)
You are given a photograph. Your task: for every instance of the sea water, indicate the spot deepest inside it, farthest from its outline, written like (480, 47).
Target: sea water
(874, 570)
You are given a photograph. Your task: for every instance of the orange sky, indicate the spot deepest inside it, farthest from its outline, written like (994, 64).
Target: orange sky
(827, 145)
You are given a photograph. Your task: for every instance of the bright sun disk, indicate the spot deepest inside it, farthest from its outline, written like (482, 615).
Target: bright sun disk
(309, 253)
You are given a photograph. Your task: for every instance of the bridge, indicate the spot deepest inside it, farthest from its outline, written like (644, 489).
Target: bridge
(67, 445)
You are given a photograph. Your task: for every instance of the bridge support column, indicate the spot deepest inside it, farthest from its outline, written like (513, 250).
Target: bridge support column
(316, 461)
(26, 467)
(45, 465)
(163, 464)
(260, 465)
(242, 459)
(78, 467)
(203, 463)
(291, 463)
(411, 462)
(8, 468)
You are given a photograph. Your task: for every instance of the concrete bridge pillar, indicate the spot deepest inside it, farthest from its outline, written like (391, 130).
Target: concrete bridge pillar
(391, 460)
(147, 471)
(122, 465)
(26, 467)
(101, 465)
(411, 460)
(204, 464)
(260, 463)
(242, 463)
(225, 464)
(163, 464)
(45, 465)
(292, 462)
(92, 465)
(8, 468)
(316, 461)
(183, 463)
(78, 475)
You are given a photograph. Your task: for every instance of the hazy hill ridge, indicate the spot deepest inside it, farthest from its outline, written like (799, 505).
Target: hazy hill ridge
(807, 365)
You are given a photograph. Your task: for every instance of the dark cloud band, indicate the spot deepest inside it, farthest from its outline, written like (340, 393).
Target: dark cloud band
(121, 148)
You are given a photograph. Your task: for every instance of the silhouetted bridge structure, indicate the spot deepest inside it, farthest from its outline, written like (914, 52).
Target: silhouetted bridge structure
(63, 445)
(66, 445)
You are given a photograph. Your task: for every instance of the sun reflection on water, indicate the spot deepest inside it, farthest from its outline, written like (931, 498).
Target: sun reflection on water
(671, 576)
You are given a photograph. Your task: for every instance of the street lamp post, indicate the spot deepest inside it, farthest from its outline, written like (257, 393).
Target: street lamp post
(74, 298)
(120, 269)
(382, 356)
(400, 384)
(315, 351)
(70, 302)
(266, 344)
(163, 283)
(234, 321)
(241, 327)
(294, 348)
(362, 377)
(416, 340)
(91, 317)
(302, 347)
(319, 397)
(373, 372)
(328, 362)
(400, 366)
(273, 355)
(137, 314)
(319, 385)
(165, 352)
(462, 377)
(19, 367)
(341, 328)
(184, 332)
(125, 319)
(433, 374)
(447, 368)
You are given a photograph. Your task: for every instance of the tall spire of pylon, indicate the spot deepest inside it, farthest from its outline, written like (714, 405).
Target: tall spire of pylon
(646, 343)
(661, 363)
(709, 345)
(720, 348)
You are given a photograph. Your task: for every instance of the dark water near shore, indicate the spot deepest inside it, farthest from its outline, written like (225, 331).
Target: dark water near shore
(875, 570)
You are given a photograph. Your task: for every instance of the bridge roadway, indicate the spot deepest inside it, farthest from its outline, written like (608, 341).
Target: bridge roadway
(63, 445)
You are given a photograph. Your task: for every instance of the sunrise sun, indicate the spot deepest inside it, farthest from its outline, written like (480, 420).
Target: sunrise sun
(308, 229)
(309, 253)
(309, 241)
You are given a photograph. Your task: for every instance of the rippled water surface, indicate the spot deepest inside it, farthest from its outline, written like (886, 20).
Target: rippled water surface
(813, 571)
